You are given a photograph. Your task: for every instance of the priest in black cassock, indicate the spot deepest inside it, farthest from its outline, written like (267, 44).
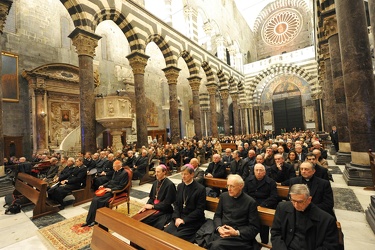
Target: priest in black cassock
(188, 214)
(162, 196)
(119, 180)
(236, 219)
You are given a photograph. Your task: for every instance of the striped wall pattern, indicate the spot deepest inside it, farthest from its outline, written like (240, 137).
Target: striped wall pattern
(204, 101)
(141, 27)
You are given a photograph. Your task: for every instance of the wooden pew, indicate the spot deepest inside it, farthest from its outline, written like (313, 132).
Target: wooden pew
(148, 177)
(85, 194)
(266, 216)
(232, 146)
(35, 190)
(282, 191)
(137, 232)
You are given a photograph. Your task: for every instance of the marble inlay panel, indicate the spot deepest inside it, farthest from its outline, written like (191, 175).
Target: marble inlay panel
(334, 170)
(345, 199)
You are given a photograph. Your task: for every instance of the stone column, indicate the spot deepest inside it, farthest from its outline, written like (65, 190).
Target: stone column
(211, 88)
(221, 50)
(195, 82)
(208, 30)
(224, 97)
(191, 17)
(116, 140)
(85, 43)
(359, 88)
(330, 27)
(371, 10)
(138, 62)
(4, 10)
(327, 89)
(171, 73)
(41, 128)
(236, 114)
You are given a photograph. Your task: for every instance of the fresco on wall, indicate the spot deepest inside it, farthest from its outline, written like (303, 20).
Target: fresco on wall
(290, 85)
(152, 114)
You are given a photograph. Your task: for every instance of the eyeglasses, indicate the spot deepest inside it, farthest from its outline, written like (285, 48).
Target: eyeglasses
(311, 159)
(298, 202)
(231, 186)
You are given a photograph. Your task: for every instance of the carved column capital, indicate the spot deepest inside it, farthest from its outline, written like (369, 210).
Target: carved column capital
(4, 11)
(194, 82)
(234, 96)
(211, 88)
(138, 62)
(171, 73)
(39, 92)
(84, 41)
(224, 93)
(330, 26)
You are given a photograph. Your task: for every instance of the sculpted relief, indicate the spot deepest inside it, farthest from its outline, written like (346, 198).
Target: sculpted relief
(64, 118)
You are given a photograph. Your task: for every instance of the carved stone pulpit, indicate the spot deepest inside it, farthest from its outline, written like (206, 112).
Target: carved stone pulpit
(114, 113)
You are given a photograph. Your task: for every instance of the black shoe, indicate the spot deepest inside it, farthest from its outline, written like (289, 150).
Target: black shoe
(85, 224)
(92, 224)
(61, 207)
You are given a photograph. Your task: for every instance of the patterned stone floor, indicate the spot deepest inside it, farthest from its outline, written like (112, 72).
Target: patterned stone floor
(350, 203)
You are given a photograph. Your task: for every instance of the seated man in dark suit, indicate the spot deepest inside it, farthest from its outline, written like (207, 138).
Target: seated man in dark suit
(72, 179)
(320, 171)
(317, 145)
(106, 174)
(300, 224)
(236, 219)
(140, 165)
(238, 166)
(198, 172)
(118, 181)
(216, 168)
(263, 189)
(282, 171)
(161, 198)
(320, 190)
(227, 158)
(130, 160)
(188, 214)
(250, 161)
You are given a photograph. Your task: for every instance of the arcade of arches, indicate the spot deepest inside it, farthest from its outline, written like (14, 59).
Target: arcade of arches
(178, 68)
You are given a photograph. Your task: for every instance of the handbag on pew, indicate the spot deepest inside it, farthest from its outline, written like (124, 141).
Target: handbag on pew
(100, 192)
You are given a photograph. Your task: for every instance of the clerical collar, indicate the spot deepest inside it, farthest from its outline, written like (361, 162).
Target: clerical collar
(236, 197)
(187, 184)
(161, 180)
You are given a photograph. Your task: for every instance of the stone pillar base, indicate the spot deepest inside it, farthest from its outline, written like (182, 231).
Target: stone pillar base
(370, 213)
(357, 175)
(332, 150)
(342, 158)
(2, 171)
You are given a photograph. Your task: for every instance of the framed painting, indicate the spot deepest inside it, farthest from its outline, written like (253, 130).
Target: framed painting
(65, 115)
(9, 77)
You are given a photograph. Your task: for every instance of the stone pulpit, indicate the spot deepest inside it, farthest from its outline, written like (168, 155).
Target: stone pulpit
(114, 113)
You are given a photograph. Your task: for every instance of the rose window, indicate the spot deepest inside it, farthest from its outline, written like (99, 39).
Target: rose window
(282, 27)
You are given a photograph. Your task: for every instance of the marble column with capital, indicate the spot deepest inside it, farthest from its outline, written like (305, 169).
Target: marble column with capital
(224, 98)
(4, 10)
(194, 83)
(212, 88)
(41, 121)
(85, 43)
(236, 114)
(171, 73)
(343, 156)
(138, 62)
(359, 88)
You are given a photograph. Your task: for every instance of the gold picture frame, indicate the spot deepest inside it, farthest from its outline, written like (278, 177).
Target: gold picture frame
(9, 77)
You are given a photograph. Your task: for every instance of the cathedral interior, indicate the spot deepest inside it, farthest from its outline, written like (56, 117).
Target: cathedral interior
(78, 75)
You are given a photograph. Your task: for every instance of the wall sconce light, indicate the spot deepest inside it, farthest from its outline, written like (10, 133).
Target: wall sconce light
(43, 114)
